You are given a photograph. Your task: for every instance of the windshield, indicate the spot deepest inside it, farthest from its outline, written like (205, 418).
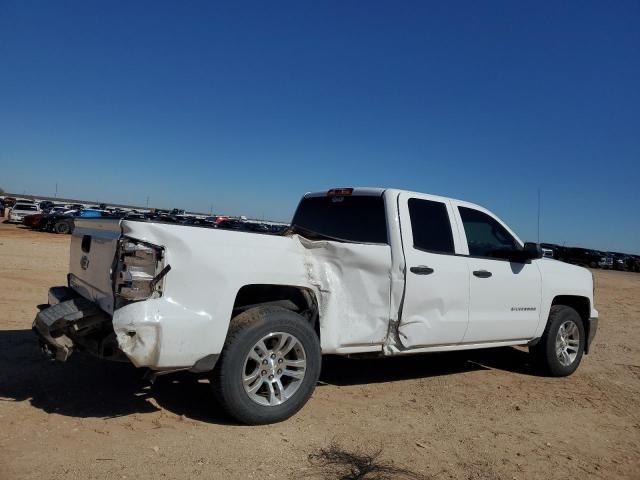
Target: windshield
(355, 218)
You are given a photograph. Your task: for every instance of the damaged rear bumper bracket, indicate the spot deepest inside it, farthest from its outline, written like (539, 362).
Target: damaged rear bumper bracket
(58, 324)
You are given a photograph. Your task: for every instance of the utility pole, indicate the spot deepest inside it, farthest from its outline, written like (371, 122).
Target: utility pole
(147, 201)
(538, 214)
(56, 195)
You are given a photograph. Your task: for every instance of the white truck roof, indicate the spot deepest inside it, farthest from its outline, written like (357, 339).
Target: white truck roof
(375, 191)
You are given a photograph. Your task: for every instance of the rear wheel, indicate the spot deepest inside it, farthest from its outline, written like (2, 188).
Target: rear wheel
(561, 347)
(269, 366)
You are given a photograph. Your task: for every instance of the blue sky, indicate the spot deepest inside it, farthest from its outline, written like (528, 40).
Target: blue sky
(247, 105)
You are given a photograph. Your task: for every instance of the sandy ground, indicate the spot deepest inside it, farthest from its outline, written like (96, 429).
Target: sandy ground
(468, 415)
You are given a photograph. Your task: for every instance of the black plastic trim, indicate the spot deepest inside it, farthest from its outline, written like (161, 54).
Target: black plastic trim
(593, 328)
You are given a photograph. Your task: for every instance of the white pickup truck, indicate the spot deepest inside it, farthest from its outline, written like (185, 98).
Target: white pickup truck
(360, 271)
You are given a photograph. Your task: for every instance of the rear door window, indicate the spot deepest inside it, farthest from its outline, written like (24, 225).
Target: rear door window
(430, 226)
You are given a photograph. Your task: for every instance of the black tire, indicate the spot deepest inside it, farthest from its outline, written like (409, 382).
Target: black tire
(245, 331)
(544, 351)
(62, 227)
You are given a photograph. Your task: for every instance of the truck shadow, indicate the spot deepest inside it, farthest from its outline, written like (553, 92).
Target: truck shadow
(338, 370)
(83, 387)
(86, 387)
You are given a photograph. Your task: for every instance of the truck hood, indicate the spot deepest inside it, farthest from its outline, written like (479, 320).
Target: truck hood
(573, 273)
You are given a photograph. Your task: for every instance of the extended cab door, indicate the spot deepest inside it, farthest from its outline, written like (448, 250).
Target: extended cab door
(505, 296)
(436, 300)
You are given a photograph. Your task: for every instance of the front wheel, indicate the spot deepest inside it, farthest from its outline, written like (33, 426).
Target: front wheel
(269, 366)
(561, 347)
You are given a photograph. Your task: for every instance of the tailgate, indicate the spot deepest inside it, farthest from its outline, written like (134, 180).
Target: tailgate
(93, 250)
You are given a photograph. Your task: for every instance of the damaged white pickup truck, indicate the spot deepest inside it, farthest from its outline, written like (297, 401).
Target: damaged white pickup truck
(360, 271)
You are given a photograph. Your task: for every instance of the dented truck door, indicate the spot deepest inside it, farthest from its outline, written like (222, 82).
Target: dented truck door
(436, 303)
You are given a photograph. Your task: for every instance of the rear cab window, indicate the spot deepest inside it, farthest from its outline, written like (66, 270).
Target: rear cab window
(347, 218)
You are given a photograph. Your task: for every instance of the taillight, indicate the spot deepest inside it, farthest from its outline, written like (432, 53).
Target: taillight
(140, 270)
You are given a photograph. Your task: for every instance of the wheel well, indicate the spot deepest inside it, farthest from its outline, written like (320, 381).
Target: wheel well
(298, 299)
(580, 305)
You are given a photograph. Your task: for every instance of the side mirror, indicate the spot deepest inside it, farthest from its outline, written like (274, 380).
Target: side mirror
(532, 250)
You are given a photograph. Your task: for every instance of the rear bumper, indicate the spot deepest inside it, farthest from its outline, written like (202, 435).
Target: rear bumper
(67, 322)
(134, 334)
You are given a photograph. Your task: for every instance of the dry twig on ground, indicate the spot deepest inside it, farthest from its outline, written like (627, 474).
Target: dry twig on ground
(334, 462)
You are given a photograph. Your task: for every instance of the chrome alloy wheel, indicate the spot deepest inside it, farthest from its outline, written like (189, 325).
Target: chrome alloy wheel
(274, 369)
(567, 343)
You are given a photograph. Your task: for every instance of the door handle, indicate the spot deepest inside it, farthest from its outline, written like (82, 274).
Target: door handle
(482, 273)
(421, 270)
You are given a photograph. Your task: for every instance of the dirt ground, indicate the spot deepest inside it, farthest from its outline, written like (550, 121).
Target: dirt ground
(467, 415)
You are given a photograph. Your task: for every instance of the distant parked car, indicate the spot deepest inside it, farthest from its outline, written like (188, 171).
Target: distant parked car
(195, 221)
(74, 206)
(217, 219)
(65, 223)
(606, 262)
(278, 229)
(619, 260)
(59, 222)
(134, 215)
(230, 224)
(583, 256)
(547, 252)
(34, 221)
(559, 252)
(46, 205)
(256, 227)
(21, 210)
(58, 209)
